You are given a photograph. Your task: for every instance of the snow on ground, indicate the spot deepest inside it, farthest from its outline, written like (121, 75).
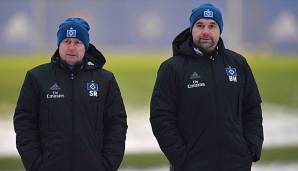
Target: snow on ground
(258, 167)
(280, 128)
(267, 167)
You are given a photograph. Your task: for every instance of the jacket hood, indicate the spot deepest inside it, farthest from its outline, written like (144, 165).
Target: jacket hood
(93, 58)
(183, 44)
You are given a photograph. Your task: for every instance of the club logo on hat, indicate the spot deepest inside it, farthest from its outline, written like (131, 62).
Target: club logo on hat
(208, 13)
(71, 32)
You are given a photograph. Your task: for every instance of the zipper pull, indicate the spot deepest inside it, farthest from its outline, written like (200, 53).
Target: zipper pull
(212, 58)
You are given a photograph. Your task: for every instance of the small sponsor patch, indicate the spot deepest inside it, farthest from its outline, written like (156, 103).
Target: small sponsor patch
(196, 84)
(55, 92)
(194, 75)
(55, 87)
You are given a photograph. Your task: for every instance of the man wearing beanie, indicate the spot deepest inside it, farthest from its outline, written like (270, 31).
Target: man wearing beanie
(206, 108)
(70, 114)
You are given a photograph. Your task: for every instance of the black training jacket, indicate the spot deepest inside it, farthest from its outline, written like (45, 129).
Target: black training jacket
(205, 110)
(71, 120)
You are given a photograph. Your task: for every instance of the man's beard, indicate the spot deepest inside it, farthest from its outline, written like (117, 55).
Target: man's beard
(206, 50)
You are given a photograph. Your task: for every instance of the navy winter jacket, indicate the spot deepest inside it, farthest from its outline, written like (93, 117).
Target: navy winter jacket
(205, 110)
(71, 120)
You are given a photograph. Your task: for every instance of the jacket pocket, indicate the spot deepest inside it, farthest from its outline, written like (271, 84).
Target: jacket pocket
(247, 149)
(44, 118)
(37, 163)
(242, 146)
(195, 143)
(47, 149)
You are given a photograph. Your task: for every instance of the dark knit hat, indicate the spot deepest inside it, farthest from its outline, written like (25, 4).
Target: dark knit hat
(74, 28)
(208, 11)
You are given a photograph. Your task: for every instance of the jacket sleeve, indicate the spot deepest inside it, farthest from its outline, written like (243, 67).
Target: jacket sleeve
(115, 127)
(26, 125)
(163, 109)
(252, 115)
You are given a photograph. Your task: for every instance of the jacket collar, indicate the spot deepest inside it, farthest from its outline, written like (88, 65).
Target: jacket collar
(183, 45)
(93, 59)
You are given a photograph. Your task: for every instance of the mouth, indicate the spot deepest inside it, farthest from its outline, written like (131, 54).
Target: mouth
(205, 39)
(71, 55)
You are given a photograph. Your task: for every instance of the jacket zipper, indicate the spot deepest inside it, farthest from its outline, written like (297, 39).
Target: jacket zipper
(212, 60)
(72, 121)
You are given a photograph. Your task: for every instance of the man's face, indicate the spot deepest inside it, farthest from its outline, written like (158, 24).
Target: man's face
(71, 50)
(206, 34)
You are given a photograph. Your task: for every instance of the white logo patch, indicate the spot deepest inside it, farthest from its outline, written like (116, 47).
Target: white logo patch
(196, 83)
(208, 13)
(55, 92)
(55, 95)
(194, 77)
(71, 33)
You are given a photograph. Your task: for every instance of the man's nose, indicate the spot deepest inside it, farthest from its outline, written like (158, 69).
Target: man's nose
(206, 30)
(71, 45)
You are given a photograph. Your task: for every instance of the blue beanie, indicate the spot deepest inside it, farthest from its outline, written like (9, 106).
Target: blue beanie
(74, 28)
(208, 11)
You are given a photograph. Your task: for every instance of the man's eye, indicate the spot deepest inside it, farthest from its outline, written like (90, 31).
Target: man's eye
(212, 26)
(66, 41)
(200, 26)
(78, 42)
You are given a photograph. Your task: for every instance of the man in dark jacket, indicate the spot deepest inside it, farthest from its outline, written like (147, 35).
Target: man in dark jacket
(70, 114)
(205, 107)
